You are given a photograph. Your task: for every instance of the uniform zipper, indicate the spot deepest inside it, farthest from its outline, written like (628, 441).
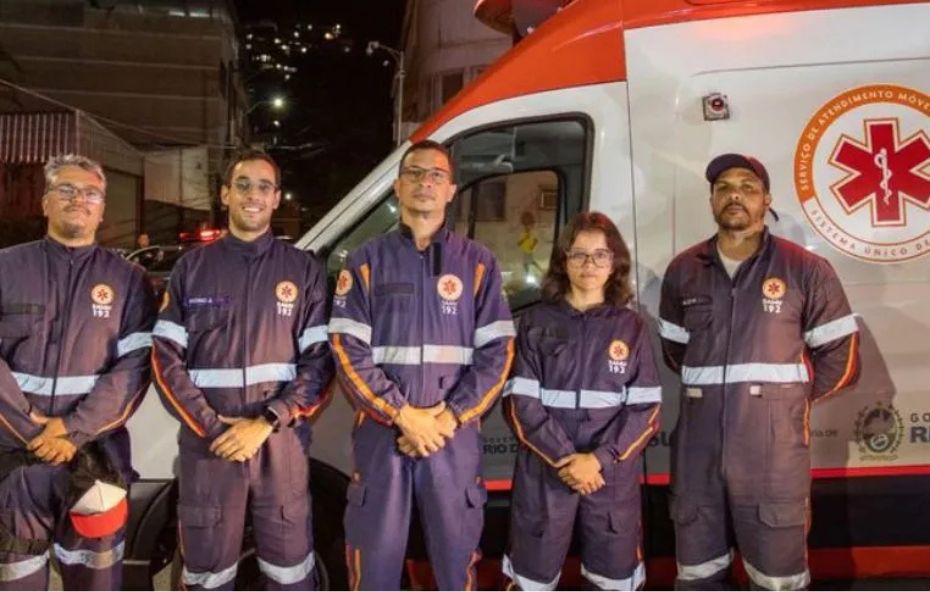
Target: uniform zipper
(69, 301)
(245, 340)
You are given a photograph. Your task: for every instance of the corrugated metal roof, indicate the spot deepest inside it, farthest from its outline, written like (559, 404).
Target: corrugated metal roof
(35, 137)
(27, 138)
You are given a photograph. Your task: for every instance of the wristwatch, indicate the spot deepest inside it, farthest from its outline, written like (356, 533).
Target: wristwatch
(272, 417)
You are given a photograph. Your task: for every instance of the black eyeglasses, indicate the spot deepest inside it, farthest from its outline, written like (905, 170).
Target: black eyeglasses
(68, 192)
(600, 257)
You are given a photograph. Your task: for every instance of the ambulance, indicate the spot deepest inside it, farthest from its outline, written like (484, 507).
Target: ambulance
(617, 106)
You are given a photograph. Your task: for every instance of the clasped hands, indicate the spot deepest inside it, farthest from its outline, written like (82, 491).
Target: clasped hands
(581, 472)
(52, 445)
(424, 431)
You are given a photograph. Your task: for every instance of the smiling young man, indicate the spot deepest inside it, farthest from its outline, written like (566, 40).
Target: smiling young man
(758, 328)
(75, 334)
(424, 341)
(241, 359)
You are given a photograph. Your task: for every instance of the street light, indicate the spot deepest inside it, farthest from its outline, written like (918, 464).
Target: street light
(399, 74)
(277, 103)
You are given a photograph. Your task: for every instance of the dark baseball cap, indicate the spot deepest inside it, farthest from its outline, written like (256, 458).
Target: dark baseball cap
(732, 161)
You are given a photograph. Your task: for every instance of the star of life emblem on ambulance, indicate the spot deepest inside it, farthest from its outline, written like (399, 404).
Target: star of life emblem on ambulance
(773, 293)
(450, 290)
(102, 297)
(617, 355)
(286, 292)
(862, 172)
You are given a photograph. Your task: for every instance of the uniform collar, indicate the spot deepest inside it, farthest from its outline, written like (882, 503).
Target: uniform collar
(603, 309)
(709, 255)
(57, 249)
(249, 248)
(407, 233)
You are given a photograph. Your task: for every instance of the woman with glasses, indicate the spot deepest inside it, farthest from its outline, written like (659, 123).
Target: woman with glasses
(583, 401)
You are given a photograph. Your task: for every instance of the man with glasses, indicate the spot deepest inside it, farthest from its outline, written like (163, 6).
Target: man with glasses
(241, 359)
(75, 336)
(759, 328)
(424, 341)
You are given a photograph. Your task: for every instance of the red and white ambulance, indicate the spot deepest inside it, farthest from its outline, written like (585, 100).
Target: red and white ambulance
(617, 106)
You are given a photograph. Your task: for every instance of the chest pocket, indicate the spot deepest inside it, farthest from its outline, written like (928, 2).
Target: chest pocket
(208, 319)
(393, 298)
(551, 341)
(19, 320)
(697, 317)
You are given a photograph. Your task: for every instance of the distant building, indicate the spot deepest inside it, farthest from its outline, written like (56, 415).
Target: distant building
(161, 75)
(446, 47)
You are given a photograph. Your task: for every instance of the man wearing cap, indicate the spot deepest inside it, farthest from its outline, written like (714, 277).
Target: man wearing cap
(759, 328)
(241, 359)
(75, 337)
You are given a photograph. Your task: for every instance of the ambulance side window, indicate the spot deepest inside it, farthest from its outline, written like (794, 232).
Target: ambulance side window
(518, 185)
(378, 221)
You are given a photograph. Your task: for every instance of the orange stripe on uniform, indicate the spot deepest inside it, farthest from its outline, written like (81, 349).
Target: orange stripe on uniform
(132, 406)
(489, 396)
(470, 572)
(310, 410)
(172, 398)
(9, 428)
(522, 437)
(651, 428)
(365, 271)
(357, 381)
(479, 275)
(358, 569)
(850, 368)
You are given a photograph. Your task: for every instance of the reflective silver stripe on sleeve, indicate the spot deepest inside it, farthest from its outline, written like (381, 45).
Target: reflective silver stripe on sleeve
(711, 375)
(233, 377)
(827, 332)
(287, 575)
(633, 582)
(311, 336)
(522, 386)
(556, 398)
(600, 399)
(65, 385)
(132, 342)
(171, 331)
(37, 385)
(673, 332)
(447, 354)
(208, 579)
(525, 583)
(796, 582)
(349, 327)
(706, 569)
(17, 570)
(637, 395)
(91, 559)
(398, 355)
(496, 330)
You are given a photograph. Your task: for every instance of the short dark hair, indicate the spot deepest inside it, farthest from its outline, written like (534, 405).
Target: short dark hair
(617, 291)
(428, 145)
(252, 154)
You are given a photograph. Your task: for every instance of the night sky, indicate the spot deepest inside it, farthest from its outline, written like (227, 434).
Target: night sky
(338, 121)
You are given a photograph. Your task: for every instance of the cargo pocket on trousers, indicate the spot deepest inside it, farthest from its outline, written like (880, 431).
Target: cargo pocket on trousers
(355, 494)
(201, 536)
(783, 515)
(682, 511)
(473, 519)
